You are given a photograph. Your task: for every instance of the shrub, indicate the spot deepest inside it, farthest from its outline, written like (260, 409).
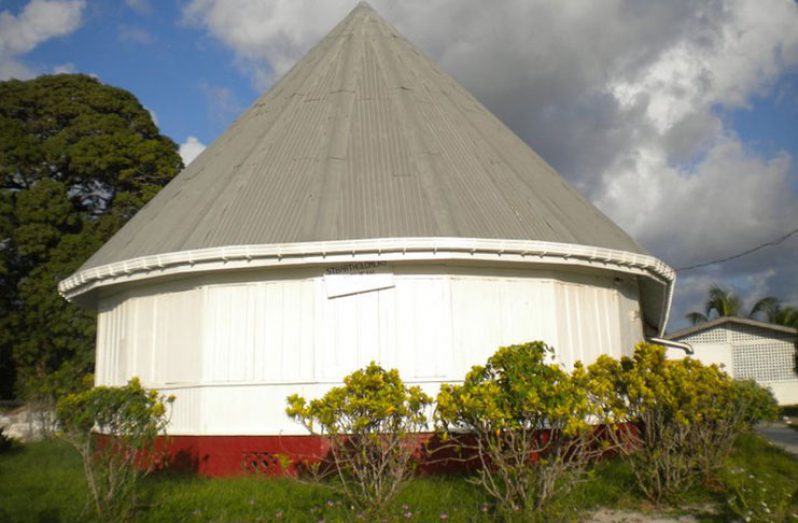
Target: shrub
(528, 421)
(129, 419)
(728, 408)
(7, 443)
(41, 393)
(754, 402)
(687, 416)
(372, 424)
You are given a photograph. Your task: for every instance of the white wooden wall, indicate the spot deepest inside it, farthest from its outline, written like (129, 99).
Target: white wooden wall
(231, 348)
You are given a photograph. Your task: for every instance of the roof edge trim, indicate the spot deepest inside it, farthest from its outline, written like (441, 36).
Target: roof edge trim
(386, 249)
(711, 324)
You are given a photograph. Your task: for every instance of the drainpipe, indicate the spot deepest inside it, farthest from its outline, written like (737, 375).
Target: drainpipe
(686, 347)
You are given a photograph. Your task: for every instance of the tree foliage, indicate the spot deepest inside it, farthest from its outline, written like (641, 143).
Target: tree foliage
(371, 424)
(77, 160)
(724, 302)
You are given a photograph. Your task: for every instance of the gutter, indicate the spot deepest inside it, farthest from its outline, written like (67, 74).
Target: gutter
(391, 249)
(686, 347)
(237, 257)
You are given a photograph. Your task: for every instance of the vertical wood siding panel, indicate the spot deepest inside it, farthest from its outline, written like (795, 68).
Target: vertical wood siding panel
(210, 334)
(250, 320)
(110, 342)
(144, 333)
(291, 326)
(594, 328)
(386, 305)
(613, 322)
(629, 317)
(471, 337)
(126, 326)
(261, 360)
(346, 335)
(276, 311)
(178, 333)
(405, 329)
(235, 337)
(430, 342)
(117, 341)
(306, 331)
(368, 329)
(519, 299)
(102, 349)
(565, 323)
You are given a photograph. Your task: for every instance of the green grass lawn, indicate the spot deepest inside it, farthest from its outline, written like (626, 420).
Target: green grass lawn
(43, 482)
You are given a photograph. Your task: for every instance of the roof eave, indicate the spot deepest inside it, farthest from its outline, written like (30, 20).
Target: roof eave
(82, 284)
(694, 329)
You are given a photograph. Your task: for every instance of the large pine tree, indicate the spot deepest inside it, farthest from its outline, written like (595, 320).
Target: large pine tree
(77, 159)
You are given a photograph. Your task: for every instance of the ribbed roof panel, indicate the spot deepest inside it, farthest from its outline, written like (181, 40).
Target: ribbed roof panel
(364, 138)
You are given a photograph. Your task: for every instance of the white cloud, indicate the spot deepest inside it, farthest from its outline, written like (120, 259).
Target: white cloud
(281, 30)
(626, 100)
(154, 116)
(39, 21)
(223, 105)
(10, 68)
(140, 6)
(190, 149)
(67, 68)
(730, 200)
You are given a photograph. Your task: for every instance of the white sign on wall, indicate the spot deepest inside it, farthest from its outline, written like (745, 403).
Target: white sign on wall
(357, 277)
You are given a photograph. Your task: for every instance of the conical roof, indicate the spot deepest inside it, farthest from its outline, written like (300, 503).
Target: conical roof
(363, 138)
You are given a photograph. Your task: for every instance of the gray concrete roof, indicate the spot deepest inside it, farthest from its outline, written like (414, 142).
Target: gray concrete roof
(363, 138)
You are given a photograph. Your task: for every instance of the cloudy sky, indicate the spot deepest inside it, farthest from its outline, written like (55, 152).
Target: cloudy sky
(678, 119)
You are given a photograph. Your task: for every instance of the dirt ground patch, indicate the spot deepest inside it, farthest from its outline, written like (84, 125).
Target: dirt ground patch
(624, 516)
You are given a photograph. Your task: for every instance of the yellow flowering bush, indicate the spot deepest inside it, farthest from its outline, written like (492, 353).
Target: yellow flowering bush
(129, 418)
(686, 415)
(372, 424)
(528, 423)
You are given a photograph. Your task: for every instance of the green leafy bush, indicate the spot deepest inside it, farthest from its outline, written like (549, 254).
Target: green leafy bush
(129, 419)
(754, 402)
(7, 443)
(43, 391)
(686, 414)
(529, 423)
(730, 407)
(372, 424)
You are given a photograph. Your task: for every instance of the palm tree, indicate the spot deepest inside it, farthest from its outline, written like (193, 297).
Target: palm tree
(726, 303)
(768, 307)
(787, 316)
(723, 302)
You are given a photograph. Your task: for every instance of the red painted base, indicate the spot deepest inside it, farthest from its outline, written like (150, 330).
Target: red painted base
(289, 455)
(235, 455)
(281, 455)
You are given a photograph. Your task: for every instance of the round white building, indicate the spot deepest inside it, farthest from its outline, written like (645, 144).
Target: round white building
(366, 208)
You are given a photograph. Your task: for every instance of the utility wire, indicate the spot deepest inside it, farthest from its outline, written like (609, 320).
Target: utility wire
(740, 255)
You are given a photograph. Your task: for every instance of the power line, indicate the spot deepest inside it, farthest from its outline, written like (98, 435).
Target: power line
(771, 243)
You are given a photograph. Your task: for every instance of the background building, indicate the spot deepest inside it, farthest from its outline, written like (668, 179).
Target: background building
(748, 349)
